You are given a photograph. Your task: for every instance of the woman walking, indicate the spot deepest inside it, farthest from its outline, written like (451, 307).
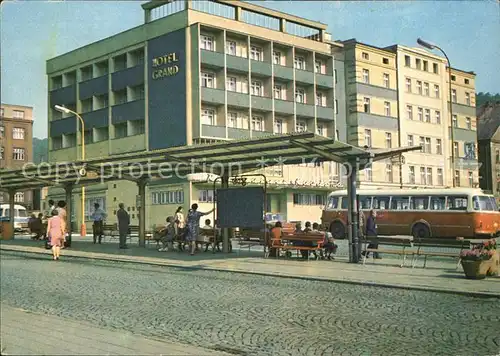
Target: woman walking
(55, 231)
(193, 226)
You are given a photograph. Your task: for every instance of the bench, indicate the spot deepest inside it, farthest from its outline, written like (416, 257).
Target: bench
(110, 230)
(133, 230)
(423, 243)
(214, 238)
(405, 244)
(317, 240)
(250, 238)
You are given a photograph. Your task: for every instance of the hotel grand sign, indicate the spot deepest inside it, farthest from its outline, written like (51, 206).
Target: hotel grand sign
(165, 66)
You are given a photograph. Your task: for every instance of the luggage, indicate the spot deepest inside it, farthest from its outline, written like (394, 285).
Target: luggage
(48, 246)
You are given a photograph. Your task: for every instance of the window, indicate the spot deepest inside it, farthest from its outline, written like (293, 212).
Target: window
(299, 63)
(410, 140)
(455, 121)
(120, 97)
(426, 66)
(207, 43)
(335, 75)
(468, 123)
(333, 203)
(439, 147)
(365, 55)
(232, 119)
(435, 68)
(419, 203)
(400, 203)
(336, 104)
(428, 148)
(408, 85)
(19, 197)
(438, 117)
(418, 63)
(389, 177)
(467, 99)
(278, 126)
(206, 196)
(231, 48)
(277, 92)
(368, 138)
(407, 61)
(419, 87)
(386, 80)
(256, 53)
(456, 151)
(2, 149)
(208, 117)
(422, 143)
(257, 123)
(320, 130)
(57, 143)
(1, 112)
(426, 89)
(88, 137)
(453, 78)
(440, 176)
(423, 180)
(470, 178)
(427, 115)
(387, 108)
(429, 176)
(256, 88)
(18, 154)
(231, 83)
(300, 95)
(277, 57)
(318, 66)
(497, 156)
(320, 99)
(167, 197)
(420, 113)
(438, 203)
(388, 140)
(436, 90)
(385, 60)
(368, 173)
(454, 95)
(18, 114)
(300, 126)
(457, 203)
(366, 76)
(411, 174)
(366, 105)
(18, 133)
(409, 112)
(457, 178)
(308, 199)
(207, 80)
(381, 203)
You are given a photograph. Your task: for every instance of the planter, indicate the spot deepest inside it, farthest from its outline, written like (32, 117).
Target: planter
(475, 269)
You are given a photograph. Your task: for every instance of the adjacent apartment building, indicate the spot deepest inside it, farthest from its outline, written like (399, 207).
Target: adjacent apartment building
(399, 96)
(198, 72)
(488, 138)
(16, 145)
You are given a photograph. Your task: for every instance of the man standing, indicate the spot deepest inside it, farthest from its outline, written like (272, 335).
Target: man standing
(123, 225)
(98, 217)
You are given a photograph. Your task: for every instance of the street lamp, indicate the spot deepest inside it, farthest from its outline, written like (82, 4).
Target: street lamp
(83, 229)
(432, 46)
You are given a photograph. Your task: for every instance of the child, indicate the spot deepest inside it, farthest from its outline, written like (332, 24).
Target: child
(330, 246)
(168, 235)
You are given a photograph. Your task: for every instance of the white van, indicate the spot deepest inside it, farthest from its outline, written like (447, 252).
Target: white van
(20, 216)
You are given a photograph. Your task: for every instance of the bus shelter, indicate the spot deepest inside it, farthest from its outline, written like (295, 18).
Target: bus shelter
(221, 159)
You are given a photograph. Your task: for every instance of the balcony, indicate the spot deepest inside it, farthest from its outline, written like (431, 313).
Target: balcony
(238, 99)
(283, 72)
(62, 126)
(324, 113)
(262, 103)
(325, 81)
(212, 59)
(238, 64)
(131, 111)
(465, 110)
(302, 76)
(463, 135)
(257, 134)
(377, 121)
(96, 86)
(283, 106)
(98, 118)
(262, 68)
(63, 96)
(127, 77)
(373, 90)
(305, 110)
(237, 134)
(213, 131)
(211, 95)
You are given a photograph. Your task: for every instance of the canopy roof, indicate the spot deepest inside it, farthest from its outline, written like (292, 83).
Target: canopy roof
(219, 158)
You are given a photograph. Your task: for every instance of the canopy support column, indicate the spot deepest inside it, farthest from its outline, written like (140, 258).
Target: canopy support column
(142, 211)
(353, 219)
(12, 213)
(68, 189)
(225, 231)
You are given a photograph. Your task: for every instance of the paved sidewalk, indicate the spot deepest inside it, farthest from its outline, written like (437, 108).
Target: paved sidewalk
(26, 333)
(441, 275)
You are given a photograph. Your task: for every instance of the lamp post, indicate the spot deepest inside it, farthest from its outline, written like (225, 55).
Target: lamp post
(83, 229)
(432, 46)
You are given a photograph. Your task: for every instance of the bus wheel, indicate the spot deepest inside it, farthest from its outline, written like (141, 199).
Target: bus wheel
(338, 230)
(421, 231)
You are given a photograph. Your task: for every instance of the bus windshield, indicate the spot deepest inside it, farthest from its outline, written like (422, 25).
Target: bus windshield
(21, 213)
(484, 203)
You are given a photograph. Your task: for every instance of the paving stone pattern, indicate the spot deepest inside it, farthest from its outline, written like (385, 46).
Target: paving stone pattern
(253, 315)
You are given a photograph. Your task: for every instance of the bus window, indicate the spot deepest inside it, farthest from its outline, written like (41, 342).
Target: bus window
(333, 203)
(483, 203)
(344, 203)
(457, 203)
(21, 213)
(381, 203)
(420, 203)
(400, 203)
(438, 203)
(494, 203)
(365, 202)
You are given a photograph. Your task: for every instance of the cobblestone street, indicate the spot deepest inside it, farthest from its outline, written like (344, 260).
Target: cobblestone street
(253, 315)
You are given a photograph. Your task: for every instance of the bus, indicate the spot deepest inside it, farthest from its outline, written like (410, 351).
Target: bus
(20, 216)
(421, 213)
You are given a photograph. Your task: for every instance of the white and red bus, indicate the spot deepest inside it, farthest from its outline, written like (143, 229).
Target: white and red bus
(447, 212)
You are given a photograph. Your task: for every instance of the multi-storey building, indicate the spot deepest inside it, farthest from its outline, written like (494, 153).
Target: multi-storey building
(197, 72)
(398, 96)
(488, 137)
(16, 145)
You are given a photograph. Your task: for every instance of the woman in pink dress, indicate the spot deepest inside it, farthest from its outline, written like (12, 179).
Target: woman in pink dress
(55, 231)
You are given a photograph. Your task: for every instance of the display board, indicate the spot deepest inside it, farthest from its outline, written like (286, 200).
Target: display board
(240, 207)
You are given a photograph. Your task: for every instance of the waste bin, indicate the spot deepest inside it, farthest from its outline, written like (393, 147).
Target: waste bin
(6, 230)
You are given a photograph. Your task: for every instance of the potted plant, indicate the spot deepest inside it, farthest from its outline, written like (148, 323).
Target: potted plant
(480, 261)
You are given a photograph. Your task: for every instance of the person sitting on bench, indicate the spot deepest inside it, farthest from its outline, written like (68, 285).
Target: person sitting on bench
(329, 243)
(168, 234)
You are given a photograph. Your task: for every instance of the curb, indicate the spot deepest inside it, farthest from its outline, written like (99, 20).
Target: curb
(268, 274)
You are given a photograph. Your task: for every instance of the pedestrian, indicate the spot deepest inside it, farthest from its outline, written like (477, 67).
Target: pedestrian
(193, 226)
(98, 217)
(61, 209)
(168, 234)
(371, 231)
(55, 232)
(123, 225)
(179, 222)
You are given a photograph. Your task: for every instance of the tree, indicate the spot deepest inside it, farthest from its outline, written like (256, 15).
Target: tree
(40, 150)
(482, 98)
